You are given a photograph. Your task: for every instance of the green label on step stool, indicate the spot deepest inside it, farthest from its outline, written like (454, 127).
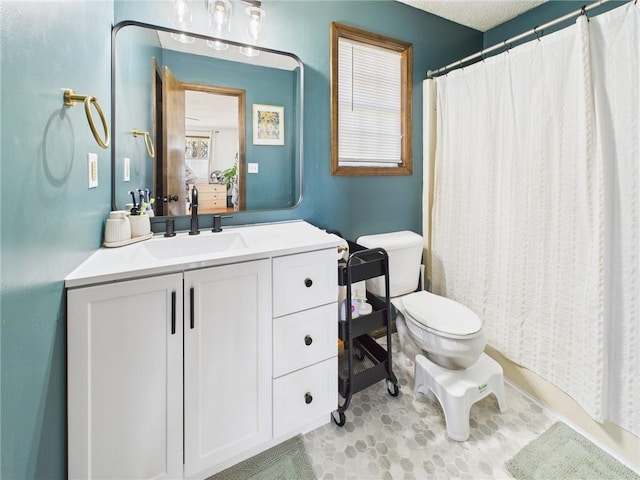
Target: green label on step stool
(482, 388)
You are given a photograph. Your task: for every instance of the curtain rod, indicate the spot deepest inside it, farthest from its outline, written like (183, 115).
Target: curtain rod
(504, 44)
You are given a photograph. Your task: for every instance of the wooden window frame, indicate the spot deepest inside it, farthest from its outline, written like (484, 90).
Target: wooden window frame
(340, 30)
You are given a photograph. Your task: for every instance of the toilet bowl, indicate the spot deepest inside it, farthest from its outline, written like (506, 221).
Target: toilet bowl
(449, 333)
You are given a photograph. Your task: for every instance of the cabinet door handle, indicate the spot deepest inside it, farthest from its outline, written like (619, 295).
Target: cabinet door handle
(308, 340)
(192, 320)
(173, 313)
(308, 398)
(308, 282)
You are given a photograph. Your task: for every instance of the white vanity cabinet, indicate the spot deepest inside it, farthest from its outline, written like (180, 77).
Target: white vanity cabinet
(179, 368)
(124, 379)
(227, 362)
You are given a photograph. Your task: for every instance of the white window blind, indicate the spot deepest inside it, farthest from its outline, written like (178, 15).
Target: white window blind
(369, 98)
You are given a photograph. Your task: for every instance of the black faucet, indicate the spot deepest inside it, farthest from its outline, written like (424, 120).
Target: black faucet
(194, 212)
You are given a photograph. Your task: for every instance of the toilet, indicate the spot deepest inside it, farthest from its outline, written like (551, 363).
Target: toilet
(454, 367)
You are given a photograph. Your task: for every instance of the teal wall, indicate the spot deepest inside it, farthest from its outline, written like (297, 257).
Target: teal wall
(50, 222)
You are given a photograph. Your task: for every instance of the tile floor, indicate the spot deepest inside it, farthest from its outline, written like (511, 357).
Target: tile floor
(405, 437)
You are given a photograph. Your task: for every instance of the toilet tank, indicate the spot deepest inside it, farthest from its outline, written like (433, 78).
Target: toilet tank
(405, 253)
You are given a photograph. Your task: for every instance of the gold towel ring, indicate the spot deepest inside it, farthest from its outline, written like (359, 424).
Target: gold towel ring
(71, 98)
(147, 142)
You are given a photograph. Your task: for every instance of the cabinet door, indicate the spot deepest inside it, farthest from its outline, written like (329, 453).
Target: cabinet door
(227, 371)
(124, 364)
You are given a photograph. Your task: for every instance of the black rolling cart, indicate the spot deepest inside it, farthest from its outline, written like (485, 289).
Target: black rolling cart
(373, 361)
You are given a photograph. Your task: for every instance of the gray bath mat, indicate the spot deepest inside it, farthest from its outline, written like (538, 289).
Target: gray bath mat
(286, 461)
(562, 453)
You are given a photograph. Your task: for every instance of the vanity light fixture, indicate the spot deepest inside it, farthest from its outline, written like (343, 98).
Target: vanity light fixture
(253, 29)
(220, 20)
(181, 19)
(256, 19)
(220, 12)
(219, 16)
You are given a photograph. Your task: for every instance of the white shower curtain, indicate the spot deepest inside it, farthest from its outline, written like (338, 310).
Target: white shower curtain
(535, 217)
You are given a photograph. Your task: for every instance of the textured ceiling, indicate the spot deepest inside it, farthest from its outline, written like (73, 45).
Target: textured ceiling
(481, 15)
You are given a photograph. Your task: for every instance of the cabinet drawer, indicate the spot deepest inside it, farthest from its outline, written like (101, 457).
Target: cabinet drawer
(304, 338)
(304, 395)
(212, 197)
(211, 188)
(304, 281)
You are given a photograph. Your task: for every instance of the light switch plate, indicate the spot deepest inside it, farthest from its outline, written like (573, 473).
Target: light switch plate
(126, 168)
(92, 170)
(252, 167)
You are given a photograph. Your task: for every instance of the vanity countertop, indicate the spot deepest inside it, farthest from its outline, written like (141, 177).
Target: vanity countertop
(160, 255)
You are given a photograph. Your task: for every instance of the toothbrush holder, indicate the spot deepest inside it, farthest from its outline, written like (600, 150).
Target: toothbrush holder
(140, 225)
(117, 227)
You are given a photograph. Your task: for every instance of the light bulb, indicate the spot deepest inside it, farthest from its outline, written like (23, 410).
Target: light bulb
(181, 13)
(256, 20)
(181, 19)
(219, 15)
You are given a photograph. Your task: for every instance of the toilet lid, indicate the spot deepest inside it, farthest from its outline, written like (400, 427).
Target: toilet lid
(441, 314)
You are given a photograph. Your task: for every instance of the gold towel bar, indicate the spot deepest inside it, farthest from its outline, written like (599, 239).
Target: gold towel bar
(147, 142)
(71, 98)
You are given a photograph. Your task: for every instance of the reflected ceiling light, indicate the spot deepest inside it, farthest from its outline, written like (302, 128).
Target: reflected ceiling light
(183, 38)
(181, 19)
(217, 45)
(249, 51)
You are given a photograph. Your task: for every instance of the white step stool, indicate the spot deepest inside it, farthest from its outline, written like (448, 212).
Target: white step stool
(457, 390)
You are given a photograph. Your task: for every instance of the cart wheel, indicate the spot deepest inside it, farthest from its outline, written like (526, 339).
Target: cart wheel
(338, 418)
(392, 388)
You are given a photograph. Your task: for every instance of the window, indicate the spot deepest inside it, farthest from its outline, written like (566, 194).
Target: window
(371, 79)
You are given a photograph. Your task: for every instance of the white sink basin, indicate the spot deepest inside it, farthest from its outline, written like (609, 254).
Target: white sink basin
(189, 246)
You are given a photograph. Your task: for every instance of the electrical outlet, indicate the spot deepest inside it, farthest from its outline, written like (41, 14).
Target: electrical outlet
(92, 170)
(126, 168)
(252, 167)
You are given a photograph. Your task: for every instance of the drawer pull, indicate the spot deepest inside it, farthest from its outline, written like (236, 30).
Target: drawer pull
(308, 398)
(308, 340)
(308, 282)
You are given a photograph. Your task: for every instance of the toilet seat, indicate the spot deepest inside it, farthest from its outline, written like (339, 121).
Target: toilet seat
(440, 315)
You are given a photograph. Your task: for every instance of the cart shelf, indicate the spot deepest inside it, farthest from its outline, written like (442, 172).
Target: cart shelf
(373, 362)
